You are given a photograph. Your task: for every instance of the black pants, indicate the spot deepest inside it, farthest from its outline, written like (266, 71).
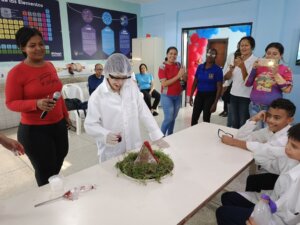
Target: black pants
(147, 98)
(203, 102)
(235, 210)
(258, 182)
(46, 146)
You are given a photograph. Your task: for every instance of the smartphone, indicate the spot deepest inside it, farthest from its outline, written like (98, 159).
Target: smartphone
(267, 62)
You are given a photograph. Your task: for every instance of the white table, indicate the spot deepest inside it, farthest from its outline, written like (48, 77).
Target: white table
(203, 166)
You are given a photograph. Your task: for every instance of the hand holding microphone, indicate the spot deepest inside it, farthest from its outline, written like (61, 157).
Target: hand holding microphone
(47, 104)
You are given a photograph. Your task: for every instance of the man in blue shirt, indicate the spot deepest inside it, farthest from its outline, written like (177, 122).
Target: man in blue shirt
(96, 79)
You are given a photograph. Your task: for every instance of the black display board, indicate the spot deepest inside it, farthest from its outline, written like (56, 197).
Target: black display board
(43, 15)
(97, 33)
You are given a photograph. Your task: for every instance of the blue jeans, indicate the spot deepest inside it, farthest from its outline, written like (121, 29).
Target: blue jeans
(239, 107)
(256, 108)
(171, 106)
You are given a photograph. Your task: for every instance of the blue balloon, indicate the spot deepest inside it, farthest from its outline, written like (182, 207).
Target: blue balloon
(242, 28)
(207, 32)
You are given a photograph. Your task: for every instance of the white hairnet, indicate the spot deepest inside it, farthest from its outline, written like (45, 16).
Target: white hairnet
(117, 64)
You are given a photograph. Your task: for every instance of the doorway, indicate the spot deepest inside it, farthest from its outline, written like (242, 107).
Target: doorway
(221, 45)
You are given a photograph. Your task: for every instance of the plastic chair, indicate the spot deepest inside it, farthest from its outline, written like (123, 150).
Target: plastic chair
(74, 91)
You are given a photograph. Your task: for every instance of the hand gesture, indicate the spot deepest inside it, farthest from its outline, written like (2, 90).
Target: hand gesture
(113, 138)
(46, 104)
(261, 116)
(181, 72)
(213, 108)
(255, 64)
(227, 139)
(161, 143)
(191, 101)
(13, 145)
(250, 221)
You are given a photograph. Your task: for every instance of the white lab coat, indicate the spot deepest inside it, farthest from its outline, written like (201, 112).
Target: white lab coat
(286, 195)
(109, 111)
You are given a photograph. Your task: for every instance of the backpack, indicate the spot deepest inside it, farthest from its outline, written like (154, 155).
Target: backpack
(76, 104)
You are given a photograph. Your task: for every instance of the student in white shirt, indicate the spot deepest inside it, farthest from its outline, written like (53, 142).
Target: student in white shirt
(115, 109)
(266, 143)
(237, 207)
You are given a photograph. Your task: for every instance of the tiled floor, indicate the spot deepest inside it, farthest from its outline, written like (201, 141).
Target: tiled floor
(17, 175)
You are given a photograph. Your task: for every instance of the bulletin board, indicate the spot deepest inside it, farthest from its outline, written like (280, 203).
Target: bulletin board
(43, 15)
(96, 33)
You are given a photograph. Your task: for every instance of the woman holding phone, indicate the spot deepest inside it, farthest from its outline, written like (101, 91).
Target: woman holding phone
(268, 78)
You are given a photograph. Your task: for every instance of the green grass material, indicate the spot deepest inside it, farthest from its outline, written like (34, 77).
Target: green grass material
(145, 171)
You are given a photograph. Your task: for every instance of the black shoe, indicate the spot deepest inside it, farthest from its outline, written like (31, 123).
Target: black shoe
(221, 114)
(225, 114)
(154, 113)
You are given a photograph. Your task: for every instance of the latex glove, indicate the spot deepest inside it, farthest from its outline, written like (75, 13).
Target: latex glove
(161, 143)
(112, 139)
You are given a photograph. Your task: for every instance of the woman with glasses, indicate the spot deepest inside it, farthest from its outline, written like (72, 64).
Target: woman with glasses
(170, 74)
(96, 79)
(208, 81)
(115, 109)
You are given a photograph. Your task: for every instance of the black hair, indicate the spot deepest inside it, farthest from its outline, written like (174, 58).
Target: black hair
(237, 53)
(143, 64)
(172, 48)
(294, 132)
(24, 34)
(250, 40)
(276, 45)
(285, 104)
(213, 49)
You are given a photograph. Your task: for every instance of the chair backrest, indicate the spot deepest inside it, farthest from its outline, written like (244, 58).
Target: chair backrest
(72, 91)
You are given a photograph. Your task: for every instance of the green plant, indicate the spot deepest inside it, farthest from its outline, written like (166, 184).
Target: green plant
(145, 171)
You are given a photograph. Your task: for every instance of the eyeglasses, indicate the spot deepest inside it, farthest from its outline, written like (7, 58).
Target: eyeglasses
(222, 132)
(119, 78)
(210, 54)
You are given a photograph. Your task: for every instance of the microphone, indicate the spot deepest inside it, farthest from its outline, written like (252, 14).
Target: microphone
(56, 96)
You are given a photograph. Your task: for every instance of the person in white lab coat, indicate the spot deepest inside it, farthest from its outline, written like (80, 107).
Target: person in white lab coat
(238, 207)
(115, 109)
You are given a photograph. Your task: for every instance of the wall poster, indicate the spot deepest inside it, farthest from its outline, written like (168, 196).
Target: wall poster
(43, 15)
(97, 33)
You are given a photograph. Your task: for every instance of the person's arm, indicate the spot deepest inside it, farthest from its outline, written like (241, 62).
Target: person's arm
(243, 70)
(147, 119)
(284, 81)
(219, 90)
(250, 80)
(229, 73)
(151, 85)
(165, 82)
(194, 86)
(12, 145)
(234, 142)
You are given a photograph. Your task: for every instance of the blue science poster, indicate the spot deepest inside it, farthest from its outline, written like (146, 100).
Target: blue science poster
(96, 33)
(43, 15)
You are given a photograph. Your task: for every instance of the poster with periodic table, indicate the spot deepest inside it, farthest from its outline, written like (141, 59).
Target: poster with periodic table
(43, 15)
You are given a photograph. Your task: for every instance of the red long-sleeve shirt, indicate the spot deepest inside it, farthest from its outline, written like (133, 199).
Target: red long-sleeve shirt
(25, 85)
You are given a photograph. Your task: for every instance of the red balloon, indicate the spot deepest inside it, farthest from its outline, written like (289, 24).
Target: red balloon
(200, 50)
(192, 48)
(194, 38)
(202, 42)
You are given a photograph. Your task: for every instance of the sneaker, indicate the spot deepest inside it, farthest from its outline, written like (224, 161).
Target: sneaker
(154, 113)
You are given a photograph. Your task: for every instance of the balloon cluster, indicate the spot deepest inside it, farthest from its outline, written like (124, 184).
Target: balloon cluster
(196, 49)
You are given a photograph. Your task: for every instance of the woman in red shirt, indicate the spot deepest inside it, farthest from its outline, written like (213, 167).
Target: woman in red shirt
(170, 73)
(30, 87)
